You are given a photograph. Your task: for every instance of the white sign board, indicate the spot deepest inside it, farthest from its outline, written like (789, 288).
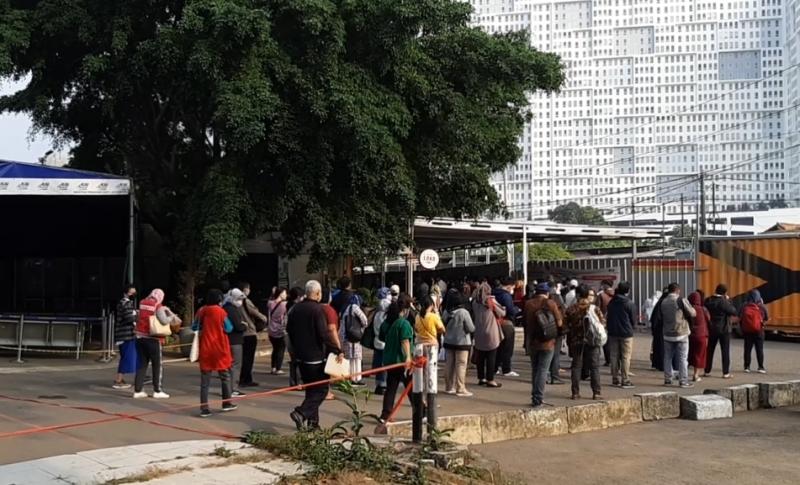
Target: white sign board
(16, 186)
(429, 259)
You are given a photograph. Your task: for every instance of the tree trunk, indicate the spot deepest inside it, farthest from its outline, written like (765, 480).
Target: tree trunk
(189, 280)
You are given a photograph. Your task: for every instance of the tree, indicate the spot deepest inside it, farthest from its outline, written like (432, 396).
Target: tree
(572, 213)
(778, 204)
(548, 252)
(333, 123)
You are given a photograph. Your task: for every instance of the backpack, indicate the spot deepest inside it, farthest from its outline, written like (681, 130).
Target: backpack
(752, 320)
(544, 325)
(368, 337)
(353, 331)
(594, 333)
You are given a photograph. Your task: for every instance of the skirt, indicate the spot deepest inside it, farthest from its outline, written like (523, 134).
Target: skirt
(698, 346)
(127, 357)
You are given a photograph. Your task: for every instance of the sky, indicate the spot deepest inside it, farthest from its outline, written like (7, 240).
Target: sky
(15, 141)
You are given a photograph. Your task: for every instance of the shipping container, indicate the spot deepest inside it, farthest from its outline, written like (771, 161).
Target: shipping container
(769, 263)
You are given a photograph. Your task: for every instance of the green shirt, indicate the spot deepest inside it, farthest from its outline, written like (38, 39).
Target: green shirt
(395, 334)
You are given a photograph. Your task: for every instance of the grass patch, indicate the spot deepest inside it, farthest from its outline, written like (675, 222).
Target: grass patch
(222, 452)
(149, 473)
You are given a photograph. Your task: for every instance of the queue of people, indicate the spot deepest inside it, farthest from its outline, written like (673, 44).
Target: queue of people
(459, 324)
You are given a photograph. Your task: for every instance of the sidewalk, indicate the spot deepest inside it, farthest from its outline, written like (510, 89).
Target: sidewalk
(205, 462)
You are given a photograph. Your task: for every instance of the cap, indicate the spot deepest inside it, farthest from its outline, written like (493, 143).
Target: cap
(542, 288)
(394, 290)
(236, 294)
(573, 283)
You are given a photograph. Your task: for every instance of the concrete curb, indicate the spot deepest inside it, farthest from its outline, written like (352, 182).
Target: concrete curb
(473, 429)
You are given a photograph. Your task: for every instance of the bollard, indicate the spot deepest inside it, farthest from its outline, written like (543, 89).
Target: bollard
(416, 398)
(19, 339)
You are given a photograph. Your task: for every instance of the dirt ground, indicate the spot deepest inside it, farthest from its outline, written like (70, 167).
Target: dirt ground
(753, 448)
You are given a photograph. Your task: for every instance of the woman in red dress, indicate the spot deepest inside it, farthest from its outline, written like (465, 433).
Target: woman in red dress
(698, 340)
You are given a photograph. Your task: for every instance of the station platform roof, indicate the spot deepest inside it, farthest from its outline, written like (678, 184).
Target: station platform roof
(451, 234)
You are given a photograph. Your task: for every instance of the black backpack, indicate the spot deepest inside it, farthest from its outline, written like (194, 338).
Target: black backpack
(545, 327)
(353, 331)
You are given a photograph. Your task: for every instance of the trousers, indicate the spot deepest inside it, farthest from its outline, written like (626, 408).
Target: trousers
(540, 365)
(278, 351)
(676, 351)
(455, 370)
(205, 383)
(248, 359)
(620, 349)
(724, 340)
(236, 369)
(754, 340)
(314, 397)
(505, 353)
(148, 350)
(487, 364)
(587, 357)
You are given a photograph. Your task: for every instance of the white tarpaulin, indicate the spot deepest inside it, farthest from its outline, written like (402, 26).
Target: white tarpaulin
(30, 179)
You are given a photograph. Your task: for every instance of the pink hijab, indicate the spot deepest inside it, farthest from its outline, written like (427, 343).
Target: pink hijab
(157, 295)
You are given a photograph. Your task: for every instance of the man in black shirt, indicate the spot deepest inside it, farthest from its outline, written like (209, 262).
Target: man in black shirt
(307, 329)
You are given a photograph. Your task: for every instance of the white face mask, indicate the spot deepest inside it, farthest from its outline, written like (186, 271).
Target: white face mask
(237, 303)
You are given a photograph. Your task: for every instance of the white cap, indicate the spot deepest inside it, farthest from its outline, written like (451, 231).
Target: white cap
(573, 283)
(394, 289)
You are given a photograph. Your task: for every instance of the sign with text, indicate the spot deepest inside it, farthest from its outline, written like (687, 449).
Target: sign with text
(429, 259)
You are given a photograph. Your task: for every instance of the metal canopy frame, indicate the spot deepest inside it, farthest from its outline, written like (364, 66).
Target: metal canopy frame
(452, 235)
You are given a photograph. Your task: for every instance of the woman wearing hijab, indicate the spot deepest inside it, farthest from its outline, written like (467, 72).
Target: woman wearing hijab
(657, 327)
(148, 347)
(698, 339)
(488, 335)
(353, 315)
(584, 356)
(232, 304)
(215, 352)
(384, 301)
(751, 320)
(457, 343)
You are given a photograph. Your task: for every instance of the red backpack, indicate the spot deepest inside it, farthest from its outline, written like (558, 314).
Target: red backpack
(752, 320)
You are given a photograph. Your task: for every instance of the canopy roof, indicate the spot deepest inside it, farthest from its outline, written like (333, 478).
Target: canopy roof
(449, 234)
(17, 178)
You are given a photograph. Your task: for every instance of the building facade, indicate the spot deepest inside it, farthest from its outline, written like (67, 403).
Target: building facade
(657, 93)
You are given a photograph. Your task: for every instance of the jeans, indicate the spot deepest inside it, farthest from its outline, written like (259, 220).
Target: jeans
(248, 359)
(205, 382)
(620, 349)
(555, 364)
(309, 409)
(377, 361)
(487, 364)
(278, 351)
(587, 357)
(540, 364)
(394, 378)
(236, 369)
(724, 340)
(148, 350)
(679, 351)
(455, 371)
(757, 340)
(657, 353)
(506, 350)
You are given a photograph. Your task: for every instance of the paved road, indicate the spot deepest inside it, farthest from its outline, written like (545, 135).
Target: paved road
(88, 384)
(753, 448)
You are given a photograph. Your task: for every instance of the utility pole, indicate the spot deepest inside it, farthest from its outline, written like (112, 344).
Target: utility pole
(633, 223)
(663, 230)
(683, 219)
(701, 213)
(714, 202)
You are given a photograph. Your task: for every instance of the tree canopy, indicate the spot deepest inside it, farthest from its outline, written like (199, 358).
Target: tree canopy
(572, 213)
(548, 252)
(333, 123)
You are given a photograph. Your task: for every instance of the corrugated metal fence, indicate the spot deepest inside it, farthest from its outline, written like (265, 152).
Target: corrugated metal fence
(647, 276)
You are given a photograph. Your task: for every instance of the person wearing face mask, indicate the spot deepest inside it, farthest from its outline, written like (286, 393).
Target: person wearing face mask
(256, 322)
(148, 347)
(398, 337)
(125, 336)
(233, 305)
(276, 329)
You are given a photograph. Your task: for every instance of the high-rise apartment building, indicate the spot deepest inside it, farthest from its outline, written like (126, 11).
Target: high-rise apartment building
(656, 93)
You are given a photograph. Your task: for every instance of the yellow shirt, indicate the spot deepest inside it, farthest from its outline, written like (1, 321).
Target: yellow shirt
(428, 328)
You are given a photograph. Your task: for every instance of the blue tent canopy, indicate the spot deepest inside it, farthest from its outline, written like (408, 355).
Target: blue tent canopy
(17, 178)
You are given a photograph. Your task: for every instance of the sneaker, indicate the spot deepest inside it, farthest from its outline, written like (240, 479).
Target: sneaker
(667, 382)
(121, 385)
(140, 395)
(450, 391)
(511, 374)
(204, 413)
(628, 385)
(727, 376)
(298, 419)
(237, 394)
(686, 385)
(556, 382)
(278, 372)
(464, 394)
(762, 371)
(229, 407)
(482, 382)
(160, 395)
(746, 370)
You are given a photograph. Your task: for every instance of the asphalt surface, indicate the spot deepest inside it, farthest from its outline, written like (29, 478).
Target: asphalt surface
(758, 447)
(55, 383)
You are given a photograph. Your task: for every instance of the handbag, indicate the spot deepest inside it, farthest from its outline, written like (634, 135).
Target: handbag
(194, 353)
(158, 329)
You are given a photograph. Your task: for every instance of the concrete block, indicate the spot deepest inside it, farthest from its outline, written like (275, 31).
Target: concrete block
(502, 426)
(776, 394)
(624, 411)
(705, 407)
(736, 394)
(796, 391)
(542, 423)
(466, 428)
(588, 417)
(660, 405)
(753, 396)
